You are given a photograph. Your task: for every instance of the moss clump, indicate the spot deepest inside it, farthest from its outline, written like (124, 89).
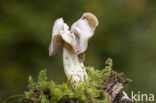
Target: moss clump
(93, 90)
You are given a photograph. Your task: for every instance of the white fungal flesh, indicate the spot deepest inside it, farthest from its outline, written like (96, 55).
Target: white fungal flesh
(71, 62)
(59, 28)
(83, 31)
(73, 67)
(77, 38)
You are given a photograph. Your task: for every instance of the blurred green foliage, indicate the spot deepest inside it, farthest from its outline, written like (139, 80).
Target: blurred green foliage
(126, 33)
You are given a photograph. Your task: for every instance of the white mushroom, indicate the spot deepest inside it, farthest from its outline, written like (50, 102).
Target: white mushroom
(73, 43)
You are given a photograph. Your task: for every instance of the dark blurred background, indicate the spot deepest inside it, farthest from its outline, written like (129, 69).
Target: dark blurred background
(126, 33)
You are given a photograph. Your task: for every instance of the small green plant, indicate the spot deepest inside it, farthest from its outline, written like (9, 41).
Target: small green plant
(92, 90)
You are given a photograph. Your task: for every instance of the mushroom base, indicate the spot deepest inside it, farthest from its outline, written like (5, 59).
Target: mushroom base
(73, 67)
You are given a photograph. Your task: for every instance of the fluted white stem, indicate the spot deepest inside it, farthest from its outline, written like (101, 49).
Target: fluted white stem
(73, 67)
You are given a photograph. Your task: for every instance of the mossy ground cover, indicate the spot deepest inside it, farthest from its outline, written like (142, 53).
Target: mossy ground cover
(92, 90)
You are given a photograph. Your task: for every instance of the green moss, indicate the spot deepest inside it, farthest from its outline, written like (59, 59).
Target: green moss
(91, 90)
